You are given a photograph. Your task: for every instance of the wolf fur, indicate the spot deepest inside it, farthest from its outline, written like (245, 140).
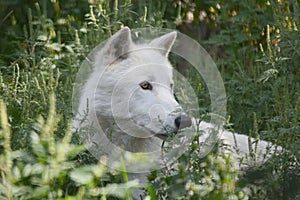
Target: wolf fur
(138, 119)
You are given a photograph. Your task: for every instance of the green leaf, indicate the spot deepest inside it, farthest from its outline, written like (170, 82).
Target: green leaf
(270, 73)
(42, 38)
(21, 191)
(69, 48)
(37, 147)
(82, 175)
(39, 192)
(120, 190)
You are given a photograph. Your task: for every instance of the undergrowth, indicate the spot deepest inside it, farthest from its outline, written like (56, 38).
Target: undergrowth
(256, 45)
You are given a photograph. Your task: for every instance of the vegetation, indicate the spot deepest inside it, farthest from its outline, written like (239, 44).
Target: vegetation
(256, 45)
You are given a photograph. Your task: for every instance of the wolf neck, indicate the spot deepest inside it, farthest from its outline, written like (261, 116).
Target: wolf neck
(132, 144)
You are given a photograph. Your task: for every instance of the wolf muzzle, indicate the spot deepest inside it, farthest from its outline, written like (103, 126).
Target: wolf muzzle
(182, 122)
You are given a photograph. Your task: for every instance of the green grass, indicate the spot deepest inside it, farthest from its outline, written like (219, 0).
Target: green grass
(256, 46)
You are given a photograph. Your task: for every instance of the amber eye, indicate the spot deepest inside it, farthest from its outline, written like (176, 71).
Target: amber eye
(146, 85)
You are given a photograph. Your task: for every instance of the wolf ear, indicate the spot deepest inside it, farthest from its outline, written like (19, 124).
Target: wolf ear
(164, 43)
(118, 46)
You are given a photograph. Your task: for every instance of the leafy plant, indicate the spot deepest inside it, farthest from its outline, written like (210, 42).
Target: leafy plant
(256, 46)
(48, 170)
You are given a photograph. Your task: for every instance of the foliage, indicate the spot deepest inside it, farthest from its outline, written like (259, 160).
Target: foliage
(212, 177)
(48, 170)
(256, 46)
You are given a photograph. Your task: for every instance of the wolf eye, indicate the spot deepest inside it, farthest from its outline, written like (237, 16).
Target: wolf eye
(146, 85)
(171, 85)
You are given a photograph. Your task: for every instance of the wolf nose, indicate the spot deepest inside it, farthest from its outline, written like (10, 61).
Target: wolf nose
(183, 121)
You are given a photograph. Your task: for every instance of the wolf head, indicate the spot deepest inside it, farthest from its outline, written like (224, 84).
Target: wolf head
(134, 91)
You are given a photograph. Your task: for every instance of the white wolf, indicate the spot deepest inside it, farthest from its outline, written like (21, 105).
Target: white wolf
(128, 104)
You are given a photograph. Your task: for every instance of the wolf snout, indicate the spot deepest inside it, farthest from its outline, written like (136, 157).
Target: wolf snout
(183, 121)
